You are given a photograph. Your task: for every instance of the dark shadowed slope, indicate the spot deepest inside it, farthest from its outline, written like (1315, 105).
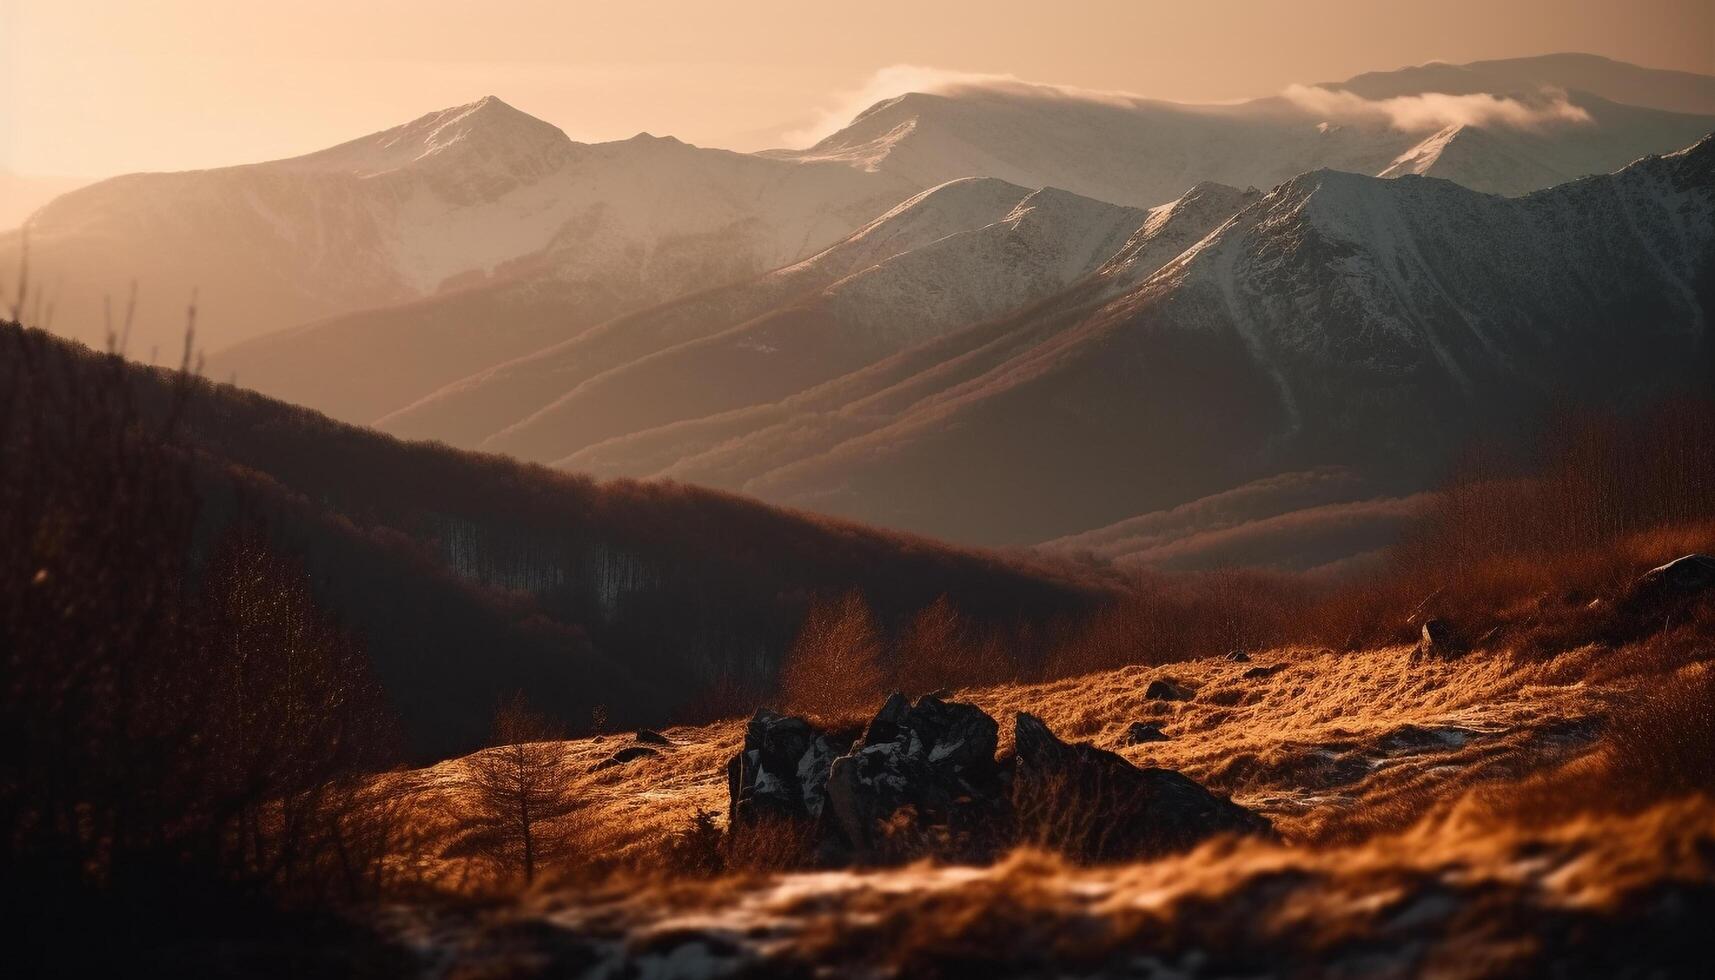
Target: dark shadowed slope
(469, 577)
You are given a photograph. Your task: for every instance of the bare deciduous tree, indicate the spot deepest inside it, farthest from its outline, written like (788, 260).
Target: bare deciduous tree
(519, 787)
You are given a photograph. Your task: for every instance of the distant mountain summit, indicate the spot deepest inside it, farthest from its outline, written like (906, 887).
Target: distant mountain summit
(473, 195)
(486, 138)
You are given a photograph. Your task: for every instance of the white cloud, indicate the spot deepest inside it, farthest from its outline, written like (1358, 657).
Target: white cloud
(1437, 110)
(897, 80)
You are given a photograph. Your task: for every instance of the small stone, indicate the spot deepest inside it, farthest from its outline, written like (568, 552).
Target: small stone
(1141, 732)
(628, 755)
(1167, 691)
(1439, 641)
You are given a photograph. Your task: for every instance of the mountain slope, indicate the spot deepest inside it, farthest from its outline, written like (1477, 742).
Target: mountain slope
(1341, 319)
(1050, 240)
(458, 197)
(1516, 160)
(468, 411)
(729, 449)
(21, 195)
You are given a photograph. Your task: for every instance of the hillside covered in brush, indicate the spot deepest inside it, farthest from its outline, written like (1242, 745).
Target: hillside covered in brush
(469, 577)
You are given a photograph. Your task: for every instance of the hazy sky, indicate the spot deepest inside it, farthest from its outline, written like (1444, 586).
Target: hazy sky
(95, 87)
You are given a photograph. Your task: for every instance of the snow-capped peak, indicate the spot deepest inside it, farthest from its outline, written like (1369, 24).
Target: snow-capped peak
(1172, 228)
(486, 130)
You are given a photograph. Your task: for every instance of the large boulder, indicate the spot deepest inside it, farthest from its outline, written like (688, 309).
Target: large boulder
(923, 780)
(1093, 805)
(782, 770)
(1662, 592)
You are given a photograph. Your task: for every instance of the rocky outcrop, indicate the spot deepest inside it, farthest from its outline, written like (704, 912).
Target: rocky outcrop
(781, 772)
(924, 781)
(1093, 805)
(923, 778)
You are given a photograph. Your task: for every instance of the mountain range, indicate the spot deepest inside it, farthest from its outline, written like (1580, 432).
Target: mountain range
(1001, 313)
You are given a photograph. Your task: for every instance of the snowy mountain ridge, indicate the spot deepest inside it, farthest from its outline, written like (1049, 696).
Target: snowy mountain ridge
(468, 195)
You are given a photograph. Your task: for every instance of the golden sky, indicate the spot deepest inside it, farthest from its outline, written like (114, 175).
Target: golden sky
(96, 87)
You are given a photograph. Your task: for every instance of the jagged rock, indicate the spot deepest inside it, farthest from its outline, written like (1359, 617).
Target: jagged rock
(1140, 733)
(782, 770)
(628, 755)
(648, 736)
(1166, 691)
(1257, 673)
(921, 771)
(924, 781)
(1092, 805)
(1439, 640)
(1239, 657)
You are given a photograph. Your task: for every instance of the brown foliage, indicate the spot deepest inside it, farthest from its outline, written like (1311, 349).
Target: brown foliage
(835, 666)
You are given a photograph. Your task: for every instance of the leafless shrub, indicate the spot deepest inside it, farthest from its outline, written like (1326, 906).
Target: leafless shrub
(835, 666)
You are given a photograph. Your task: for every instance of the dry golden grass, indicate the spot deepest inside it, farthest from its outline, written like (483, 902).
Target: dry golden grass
(1334, 747)
(1513, 811)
